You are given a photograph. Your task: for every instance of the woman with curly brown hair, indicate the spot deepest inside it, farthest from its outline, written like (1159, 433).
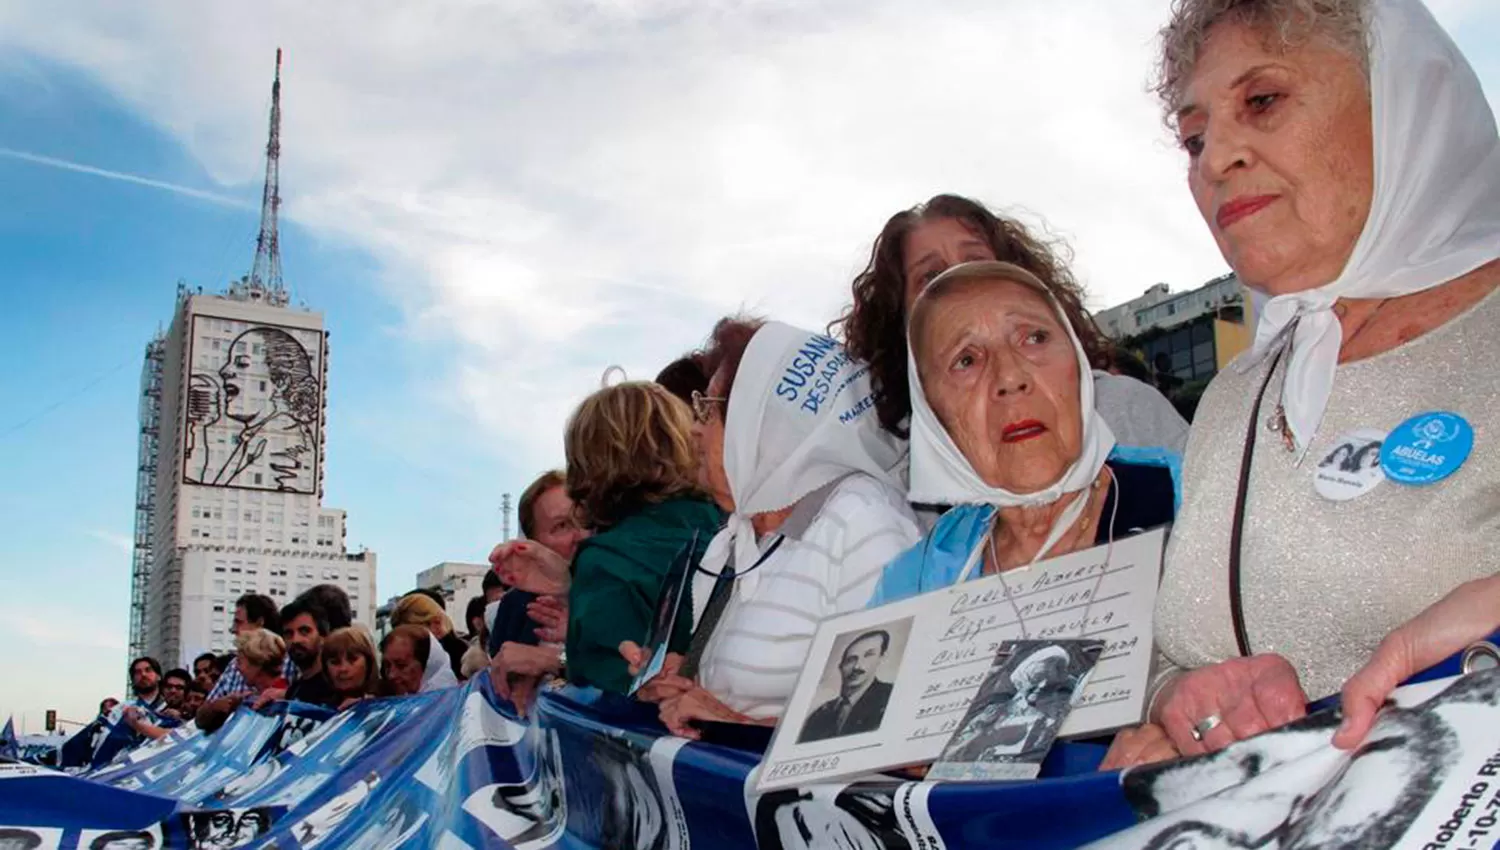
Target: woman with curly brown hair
(916, 245)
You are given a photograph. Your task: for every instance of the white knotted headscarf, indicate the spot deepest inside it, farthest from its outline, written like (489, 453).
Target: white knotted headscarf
(940, 474)
(801, 416)
(438, 673)
(1435, 214)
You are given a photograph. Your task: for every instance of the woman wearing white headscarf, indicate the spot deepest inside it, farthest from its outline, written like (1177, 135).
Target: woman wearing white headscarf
(1004, 428)
(1347, 163)
(793, 450)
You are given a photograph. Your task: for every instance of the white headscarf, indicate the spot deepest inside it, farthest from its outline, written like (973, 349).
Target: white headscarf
(1435, 215)
(941, 475)
(802, 415)
(438, 673)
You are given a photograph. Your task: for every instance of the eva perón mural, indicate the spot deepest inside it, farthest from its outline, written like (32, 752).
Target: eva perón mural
(254, 401)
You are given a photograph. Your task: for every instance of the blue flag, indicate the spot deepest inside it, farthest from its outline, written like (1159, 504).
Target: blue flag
(9, 747)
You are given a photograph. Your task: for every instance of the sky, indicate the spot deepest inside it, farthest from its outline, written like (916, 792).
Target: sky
(493, 202)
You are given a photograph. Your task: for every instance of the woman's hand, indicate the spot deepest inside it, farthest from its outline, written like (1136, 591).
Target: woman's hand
(517, 669)
(1246, 695)
(268, 696)
(1469, 613)
(1145, 744)
(550, 613)
(532, 567)
(679, 712)
(666, 684)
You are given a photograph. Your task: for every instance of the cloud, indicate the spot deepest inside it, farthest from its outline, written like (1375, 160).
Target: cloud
(552, 186)
(81, 168)
(123, 542)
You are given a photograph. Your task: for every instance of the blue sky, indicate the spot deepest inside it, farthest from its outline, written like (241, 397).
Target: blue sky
(491, 205)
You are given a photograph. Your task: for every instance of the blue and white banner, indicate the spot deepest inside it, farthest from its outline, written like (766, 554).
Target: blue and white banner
(458, 769)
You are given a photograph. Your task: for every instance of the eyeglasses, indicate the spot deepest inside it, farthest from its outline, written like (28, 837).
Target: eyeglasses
(703, 409)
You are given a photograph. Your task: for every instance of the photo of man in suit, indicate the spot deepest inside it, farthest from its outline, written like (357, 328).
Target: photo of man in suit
(860, 705)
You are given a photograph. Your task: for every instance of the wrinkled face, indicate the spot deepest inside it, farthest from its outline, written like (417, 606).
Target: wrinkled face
(860, 661)
(402, 669)
(204, 674)
(257, 678)
(174, 691)
(303, 642)
(556, 527)
(1281, 156)
(143, 679)
(347, 671)
(708, 435)
(1001, 373)
(934, 245)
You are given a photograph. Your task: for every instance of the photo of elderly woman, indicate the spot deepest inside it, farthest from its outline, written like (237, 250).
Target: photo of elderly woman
(1015, 716)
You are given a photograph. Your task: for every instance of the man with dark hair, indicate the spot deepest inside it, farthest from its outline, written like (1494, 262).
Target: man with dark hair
(334, 602)
(145, 683)
(19, 839)
(860, 705)
(131, 839)
(206, 671)
(195, 698)
(254, 610)
(303, 627)
(174, 691)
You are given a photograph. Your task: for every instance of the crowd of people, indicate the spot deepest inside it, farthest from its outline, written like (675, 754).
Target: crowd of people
(964, 417)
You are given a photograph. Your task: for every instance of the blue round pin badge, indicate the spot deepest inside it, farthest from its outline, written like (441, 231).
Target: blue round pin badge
(1427, 448)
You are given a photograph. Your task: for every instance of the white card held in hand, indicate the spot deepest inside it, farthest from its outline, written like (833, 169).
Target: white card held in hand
(887, 687)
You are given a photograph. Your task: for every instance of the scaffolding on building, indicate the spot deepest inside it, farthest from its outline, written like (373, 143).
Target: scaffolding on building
(145, 490)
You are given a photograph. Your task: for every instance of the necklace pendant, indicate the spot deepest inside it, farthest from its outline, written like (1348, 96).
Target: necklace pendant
(1276, 422)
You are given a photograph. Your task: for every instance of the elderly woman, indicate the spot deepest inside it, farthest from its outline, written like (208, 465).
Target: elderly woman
(1004, 427)
(412, 662)
(816, 496)
(418, 609)
(260, 655)
(1347, 164)
(916, 245)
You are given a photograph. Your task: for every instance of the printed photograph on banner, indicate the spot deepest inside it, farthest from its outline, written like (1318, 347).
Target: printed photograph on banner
(531, 814)
(855, 688)
(1425, 776)
(311, 830)
(852, 816)
(1017, 712)
(633, 811)
(398, 821)
(37, 838)
(224, 829)
(663, 760)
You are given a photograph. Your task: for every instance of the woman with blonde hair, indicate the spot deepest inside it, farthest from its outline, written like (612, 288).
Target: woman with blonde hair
(259, 654)
(350, 665)
(419, 609)
(632, 474)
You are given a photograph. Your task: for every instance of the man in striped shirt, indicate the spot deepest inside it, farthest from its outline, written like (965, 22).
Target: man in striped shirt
(251, 611)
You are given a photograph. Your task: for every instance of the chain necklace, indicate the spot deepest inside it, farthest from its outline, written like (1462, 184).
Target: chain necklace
(1277, 423)
(1093, 594)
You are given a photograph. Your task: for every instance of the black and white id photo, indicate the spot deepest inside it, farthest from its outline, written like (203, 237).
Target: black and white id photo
(855, 688)
(1017, 712)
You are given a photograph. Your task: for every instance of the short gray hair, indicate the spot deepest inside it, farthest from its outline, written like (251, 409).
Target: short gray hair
(1285, 24)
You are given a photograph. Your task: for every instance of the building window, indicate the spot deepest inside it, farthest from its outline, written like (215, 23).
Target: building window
(257, 478)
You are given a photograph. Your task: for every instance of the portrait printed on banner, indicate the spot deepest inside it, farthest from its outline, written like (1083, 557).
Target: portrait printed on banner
(1015, 715)
(529, 814)
(857, 680)
(37, 838)
(863, 815)
(254, 406)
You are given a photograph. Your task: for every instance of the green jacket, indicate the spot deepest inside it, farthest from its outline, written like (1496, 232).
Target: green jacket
(617, 580)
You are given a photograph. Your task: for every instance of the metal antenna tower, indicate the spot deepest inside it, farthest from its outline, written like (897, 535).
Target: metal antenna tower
(505, 518)
(267, 269)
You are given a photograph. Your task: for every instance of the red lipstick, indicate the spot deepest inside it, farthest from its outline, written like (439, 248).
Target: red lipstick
(1026, 429)
(1241, 207)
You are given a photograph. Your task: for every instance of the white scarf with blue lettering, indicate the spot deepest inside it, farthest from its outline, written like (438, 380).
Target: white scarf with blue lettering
(801, 415)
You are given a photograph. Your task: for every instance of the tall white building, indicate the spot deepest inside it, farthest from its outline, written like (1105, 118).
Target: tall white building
(230, 486)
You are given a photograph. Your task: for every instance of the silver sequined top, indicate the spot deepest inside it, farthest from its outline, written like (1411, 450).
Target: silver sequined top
(1324, 581)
